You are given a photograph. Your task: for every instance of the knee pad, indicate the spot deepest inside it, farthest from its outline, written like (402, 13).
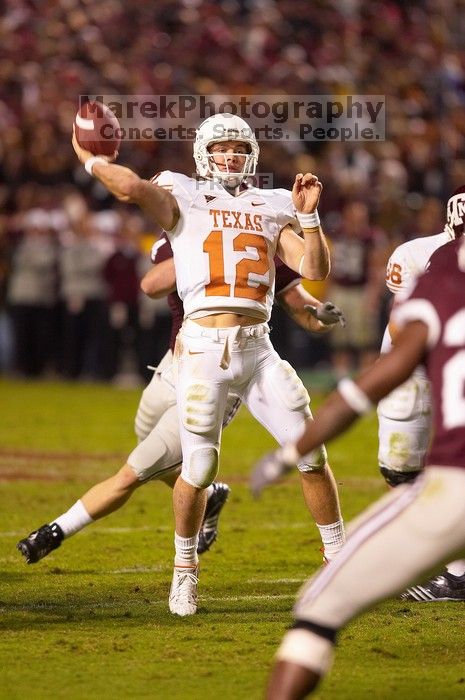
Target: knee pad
(199, 412)
(289, 387)
(314, 461)
(394, 478)
(202, 468)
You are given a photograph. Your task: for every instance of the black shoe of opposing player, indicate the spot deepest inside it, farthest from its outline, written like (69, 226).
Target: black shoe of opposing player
(41, 542)
(209, 530)
(443, 587)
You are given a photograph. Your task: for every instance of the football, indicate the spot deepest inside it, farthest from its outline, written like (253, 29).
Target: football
(97, 129)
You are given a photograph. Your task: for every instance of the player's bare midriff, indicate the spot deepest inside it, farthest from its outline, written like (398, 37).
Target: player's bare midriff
(223, 320)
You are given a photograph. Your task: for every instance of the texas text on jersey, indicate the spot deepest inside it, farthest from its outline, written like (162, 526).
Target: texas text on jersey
(229, 241)
(444, 314)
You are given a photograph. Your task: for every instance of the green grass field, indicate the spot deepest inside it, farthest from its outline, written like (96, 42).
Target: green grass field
(91, 620)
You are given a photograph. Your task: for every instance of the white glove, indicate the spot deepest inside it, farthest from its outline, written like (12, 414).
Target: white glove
(271, 468)
(328, 313)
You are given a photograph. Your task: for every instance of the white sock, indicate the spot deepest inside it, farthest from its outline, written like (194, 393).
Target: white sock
(333, 537)
(209, 491)
(186, 550)
(456, 568)
(75, 519)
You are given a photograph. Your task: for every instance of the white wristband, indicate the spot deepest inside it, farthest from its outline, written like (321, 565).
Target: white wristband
(308, 220)
(354, 396)
(90, 162)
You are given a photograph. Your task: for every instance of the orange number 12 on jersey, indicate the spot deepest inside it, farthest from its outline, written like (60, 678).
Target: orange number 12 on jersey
(213, 246)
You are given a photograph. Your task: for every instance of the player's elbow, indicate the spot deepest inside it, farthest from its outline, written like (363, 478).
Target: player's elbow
(153, 287)
(326, 269)
(316, 273)
(320, 276)
(148, 287)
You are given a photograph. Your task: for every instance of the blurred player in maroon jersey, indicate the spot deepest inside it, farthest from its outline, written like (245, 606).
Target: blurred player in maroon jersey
(416, 528)
(404, 415)
(158, 455)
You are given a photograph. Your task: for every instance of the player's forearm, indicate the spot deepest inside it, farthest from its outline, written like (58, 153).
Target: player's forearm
(120, 181)
(340, 410)
(392, 369)
(310, 323)
(331, 420)
(293, 301)
(354, 398)
(307, 321)
(315, 264)
(127, 186)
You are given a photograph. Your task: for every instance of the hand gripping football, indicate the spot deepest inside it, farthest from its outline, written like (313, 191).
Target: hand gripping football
(97, 129)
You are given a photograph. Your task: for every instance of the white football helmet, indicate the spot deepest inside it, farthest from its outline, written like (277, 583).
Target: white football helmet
(224, 127)
(455, 213)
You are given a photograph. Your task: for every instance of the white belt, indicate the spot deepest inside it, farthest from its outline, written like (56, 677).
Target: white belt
(226, 335)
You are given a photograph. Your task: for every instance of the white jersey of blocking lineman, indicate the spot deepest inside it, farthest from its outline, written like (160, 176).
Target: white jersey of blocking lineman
(404, 415)
(406, 263)
(224, 245)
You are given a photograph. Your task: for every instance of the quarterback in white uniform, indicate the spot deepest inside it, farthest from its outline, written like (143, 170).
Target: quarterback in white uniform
(224, 236)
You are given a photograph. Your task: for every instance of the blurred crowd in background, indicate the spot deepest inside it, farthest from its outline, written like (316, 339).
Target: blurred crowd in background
(71, 258)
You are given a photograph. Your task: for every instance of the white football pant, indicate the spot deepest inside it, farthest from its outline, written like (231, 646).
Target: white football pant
(157, 425)
(404, 432)
(211, 362)
(399, 541)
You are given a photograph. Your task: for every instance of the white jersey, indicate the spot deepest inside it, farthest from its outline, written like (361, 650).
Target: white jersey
(406, 263)
(223, 246)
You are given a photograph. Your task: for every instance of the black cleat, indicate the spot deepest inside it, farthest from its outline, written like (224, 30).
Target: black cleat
(444, 586)
(41, 542)
(209, 530)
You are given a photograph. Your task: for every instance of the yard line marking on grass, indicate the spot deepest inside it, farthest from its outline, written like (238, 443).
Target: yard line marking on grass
(104, 531)
(139, 569)
(276, 580)
(168, 528)
(124, 604)
(239, 598)
(125, 530)
(33, 455)
(165, 567)
(14, 463)
(157, 529)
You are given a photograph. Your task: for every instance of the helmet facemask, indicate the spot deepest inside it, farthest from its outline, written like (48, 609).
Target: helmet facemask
(227, 177)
